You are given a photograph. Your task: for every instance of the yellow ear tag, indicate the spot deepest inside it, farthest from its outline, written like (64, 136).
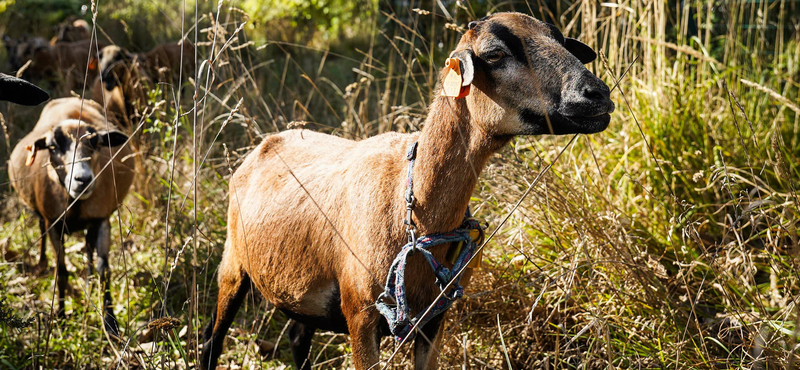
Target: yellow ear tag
(476, 262)
(453, 80)
(455, 251)
(31, 155)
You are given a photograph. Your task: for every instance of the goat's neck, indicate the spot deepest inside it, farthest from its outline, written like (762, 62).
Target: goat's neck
(452, 152)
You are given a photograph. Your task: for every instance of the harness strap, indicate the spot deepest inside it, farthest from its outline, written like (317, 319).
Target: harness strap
(392, 303)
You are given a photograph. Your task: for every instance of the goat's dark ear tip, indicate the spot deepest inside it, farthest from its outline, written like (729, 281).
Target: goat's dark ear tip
(112, 138)
(19, 91)
(583, 52)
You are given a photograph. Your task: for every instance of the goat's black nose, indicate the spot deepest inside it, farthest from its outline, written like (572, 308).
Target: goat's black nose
(595, 93)
(585, 95)
(84, 178)
(599, 94)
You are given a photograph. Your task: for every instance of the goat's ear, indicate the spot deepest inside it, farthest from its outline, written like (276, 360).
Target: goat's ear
(111, 138)
(19, 91)
(582, 51)
(38, 145)
(466, 61)
(109, 79)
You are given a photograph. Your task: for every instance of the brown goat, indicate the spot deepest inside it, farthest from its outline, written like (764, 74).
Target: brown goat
(126, 77)
(164, 62)
(71, 31)
(20, 51)
(67, 63)
(315, 221)
(58, 171)
(122, 84)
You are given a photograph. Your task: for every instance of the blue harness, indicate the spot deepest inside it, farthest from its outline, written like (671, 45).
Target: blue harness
(392, 303)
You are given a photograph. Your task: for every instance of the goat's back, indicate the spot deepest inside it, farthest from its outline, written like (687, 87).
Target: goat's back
(164, 61)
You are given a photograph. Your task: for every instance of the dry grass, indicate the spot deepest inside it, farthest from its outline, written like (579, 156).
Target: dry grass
(668, 241)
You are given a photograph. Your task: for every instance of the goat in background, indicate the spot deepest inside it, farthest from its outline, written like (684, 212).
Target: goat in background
(74, 170)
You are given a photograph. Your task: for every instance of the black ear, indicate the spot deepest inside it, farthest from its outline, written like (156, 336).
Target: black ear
(111, 138)
(584, 53)
(109, 80)
(19, 91)
(40, 143)
(465, 58)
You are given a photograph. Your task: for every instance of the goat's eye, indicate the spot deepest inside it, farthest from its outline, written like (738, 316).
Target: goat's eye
(494, 56)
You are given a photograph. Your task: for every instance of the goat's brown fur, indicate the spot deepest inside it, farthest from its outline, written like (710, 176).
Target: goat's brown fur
(164, 62)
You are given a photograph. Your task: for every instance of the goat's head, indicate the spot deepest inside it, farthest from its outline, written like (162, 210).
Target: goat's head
(20, 51)
(72, 31)
(113, 63)
(74, 148)
(529, 79)
(19, 91)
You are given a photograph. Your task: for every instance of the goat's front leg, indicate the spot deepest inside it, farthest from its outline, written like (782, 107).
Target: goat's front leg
(90, 248)
(98, 237)
(61, 267)
(300, 336)
(363, 324)
(426, 344)
(42, 266)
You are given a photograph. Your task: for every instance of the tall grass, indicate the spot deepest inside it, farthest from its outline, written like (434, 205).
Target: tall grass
(668, 241)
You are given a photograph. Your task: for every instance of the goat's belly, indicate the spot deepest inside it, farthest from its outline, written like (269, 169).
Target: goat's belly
(319, 307)
(331, 320)
(322, 311)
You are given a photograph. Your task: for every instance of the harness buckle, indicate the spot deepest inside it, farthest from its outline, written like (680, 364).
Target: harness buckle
(412, 237)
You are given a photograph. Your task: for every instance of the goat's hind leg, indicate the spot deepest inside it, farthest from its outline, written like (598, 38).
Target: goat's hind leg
(98, 238)
(300, 336)
(234, 284)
